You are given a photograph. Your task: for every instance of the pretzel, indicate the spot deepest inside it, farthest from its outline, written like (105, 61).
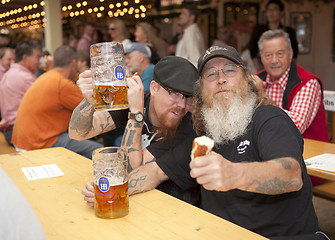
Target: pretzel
(135, 74)
(201, 146)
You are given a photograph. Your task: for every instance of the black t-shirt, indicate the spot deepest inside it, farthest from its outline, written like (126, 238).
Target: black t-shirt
(271, 134)
(159, 148)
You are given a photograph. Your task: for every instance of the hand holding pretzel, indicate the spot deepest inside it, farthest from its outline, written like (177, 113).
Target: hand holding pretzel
(211, 169)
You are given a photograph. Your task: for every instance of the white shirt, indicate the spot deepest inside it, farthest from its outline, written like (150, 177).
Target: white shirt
(192, 45)
(126, 43)
(246, 57)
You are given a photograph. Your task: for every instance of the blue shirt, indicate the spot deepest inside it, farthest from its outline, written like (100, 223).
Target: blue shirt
(147, 77)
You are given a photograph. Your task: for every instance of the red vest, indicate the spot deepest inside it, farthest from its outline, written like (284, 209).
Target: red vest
(297, 78)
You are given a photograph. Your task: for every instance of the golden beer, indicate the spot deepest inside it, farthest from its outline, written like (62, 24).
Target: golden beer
(112, 203)
(110, 179)
(110, 97)
(108, 69)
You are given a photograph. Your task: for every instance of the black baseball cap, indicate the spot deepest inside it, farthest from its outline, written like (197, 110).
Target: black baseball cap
(219, 51)
(176, 73)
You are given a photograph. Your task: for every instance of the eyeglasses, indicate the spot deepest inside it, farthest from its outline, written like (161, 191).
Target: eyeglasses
(111, 29)
(177, 97)
(229, 70)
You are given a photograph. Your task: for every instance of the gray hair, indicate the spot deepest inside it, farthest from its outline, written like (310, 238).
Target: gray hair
(271, 34)
(146, 57)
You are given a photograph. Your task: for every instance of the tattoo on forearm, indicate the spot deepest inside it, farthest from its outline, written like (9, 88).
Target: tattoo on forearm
(130, 150)
(84, 105)
(124, 137)
(152, 160)
(286, 163)
(130, 141)
(135, 181)
(137, 125)
(81, 119)
(273, 186)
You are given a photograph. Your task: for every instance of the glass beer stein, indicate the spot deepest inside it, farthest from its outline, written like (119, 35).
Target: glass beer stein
(110, 180)
(109, 76)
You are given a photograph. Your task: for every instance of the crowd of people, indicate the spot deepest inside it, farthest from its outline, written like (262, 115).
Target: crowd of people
(255, 175)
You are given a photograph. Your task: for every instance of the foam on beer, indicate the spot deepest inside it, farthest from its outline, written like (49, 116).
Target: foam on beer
(201, 146)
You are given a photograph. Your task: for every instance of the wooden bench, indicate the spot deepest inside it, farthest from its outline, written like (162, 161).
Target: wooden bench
(4, 146)
(325, 189)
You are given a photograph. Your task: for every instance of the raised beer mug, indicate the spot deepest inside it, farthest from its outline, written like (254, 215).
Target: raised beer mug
(109, 76)
(110, 181)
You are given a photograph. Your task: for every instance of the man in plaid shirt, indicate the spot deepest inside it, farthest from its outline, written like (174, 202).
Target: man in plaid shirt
(294, 89)
(297, 91)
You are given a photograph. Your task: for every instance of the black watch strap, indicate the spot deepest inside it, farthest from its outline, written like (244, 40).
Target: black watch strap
(138, 117)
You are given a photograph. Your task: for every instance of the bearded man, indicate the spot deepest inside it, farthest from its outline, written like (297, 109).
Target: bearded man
(255, 176)
(156, 122)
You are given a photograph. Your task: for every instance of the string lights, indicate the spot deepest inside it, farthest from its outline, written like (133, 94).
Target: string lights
(37, 20)
(5, 1)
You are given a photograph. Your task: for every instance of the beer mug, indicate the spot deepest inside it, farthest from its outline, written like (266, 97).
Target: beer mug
(109, 76)
(110, 181)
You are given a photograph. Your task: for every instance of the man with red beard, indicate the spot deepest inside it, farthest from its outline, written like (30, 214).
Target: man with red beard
(255, 175)
(156, 122)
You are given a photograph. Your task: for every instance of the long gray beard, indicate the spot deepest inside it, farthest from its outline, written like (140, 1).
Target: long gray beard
(227, 123)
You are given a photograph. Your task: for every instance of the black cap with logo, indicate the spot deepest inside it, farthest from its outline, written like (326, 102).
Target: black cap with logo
(218, 51)
(177, 74)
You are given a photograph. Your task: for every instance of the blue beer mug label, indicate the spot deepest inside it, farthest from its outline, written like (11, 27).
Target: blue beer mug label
(119, 73)
(103, 184)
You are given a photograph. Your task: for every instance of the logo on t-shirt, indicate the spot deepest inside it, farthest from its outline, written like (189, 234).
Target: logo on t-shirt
(242, 147)
(146, 140)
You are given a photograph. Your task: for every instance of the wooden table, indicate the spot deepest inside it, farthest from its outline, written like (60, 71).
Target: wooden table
(60, 207)
(313, 148)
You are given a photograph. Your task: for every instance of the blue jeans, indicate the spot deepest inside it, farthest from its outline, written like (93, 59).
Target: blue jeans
(8, 136)
(84, 148)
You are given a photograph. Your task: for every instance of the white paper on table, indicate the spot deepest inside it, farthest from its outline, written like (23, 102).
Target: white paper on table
(324, 162)
(40, 172)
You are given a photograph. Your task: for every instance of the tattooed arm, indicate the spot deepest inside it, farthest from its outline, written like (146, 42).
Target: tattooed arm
(132, 136)
(142, 179)
(145, 178)
(85, 122)
(272, 177)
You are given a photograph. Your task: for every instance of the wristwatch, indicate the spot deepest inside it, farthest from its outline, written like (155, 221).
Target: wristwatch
(139, 117)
